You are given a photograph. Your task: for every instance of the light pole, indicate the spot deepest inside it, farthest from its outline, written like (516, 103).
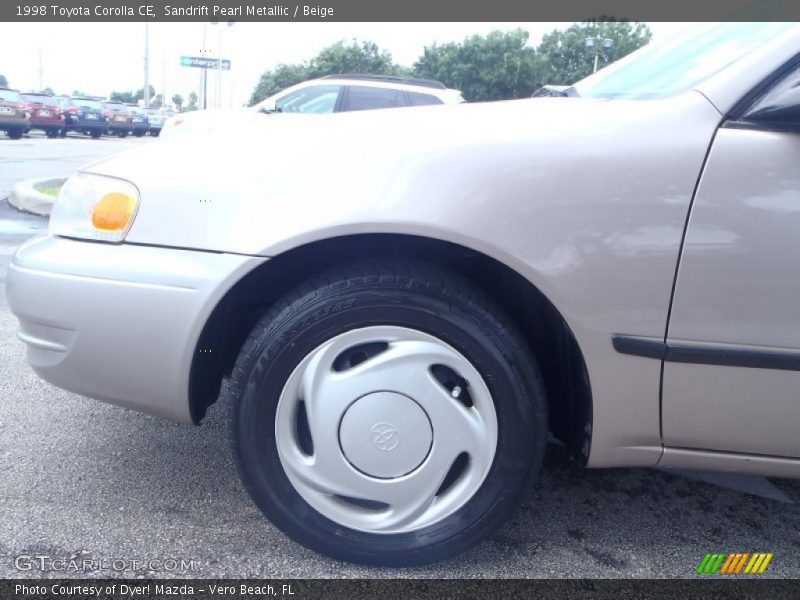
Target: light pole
(219, 62)
(146, 94)
(600, 45)
(163, 82)
(204, 72)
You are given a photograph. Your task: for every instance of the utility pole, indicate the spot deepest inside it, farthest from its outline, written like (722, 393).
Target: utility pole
(204, 72)
(163, 82)
(599, 45)
(219, 69)
(220, 54)
(146, 64)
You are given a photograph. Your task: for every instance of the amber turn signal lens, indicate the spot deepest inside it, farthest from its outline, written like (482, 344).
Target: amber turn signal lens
(113, 212)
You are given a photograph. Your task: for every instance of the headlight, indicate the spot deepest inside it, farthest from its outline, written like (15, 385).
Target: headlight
(94, 207)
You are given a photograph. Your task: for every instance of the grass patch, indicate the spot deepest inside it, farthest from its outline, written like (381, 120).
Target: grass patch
(51, 188)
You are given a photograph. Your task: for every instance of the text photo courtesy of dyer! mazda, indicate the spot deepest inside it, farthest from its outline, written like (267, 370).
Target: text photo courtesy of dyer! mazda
(407, 303)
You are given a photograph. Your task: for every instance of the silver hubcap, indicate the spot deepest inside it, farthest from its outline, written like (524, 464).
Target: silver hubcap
(386, 429)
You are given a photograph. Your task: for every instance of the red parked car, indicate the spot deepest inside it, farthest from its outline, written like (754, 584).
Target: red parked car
(45, 113)
(14, 118)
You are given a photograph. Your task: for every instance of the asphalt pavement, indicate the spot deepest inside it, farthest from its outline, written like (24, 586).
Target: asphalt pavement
(35, 156)
(84, 481)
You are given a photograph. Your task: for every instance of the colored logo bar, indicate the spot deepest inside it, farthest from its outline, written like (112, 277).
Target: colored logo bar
(733, 563)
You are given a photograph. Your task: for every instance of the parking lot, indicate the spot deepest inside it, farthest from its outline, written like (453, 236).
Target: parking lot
(83, 480)
(36, 156)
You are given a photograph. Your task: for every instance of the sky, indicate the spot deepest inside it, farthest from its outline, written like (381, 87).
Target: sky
(96, 58)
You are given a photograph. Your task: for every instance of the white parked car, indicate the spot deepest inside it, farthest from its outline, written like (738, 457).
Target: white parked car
(330, 94)
(406, 301)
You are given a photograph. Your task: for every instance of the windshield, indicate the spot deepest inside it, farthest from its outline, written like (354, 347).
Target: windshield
(35, 97)
(9, 95)
(679, 64)
(84, 103)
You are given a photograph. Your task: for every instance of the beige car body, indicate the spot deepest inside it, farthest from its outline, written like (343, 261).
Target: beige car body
(586, 200)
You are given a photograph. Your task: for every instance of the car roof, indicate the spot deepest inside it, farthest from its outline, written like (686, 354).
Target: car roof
(428, 83)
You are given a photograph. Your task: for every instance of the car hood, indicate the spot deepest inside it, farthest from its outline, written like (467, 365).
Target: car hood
(294, 174)
(202, 122)
(255, 145)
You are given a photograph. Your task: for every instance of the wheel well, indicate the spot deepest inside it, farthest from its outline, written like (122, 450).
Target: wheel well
(552, 342)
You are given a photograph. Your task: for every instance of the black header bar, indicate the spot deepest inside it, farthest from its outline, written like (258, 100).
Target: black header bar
(395, 10)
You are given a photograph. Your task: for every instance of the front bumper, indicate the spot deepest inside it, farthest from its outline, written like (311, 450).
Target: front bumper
(118, 323)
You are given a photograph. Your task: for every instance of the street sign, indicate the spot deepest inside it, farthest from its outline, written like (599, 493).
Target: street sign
(205, 62)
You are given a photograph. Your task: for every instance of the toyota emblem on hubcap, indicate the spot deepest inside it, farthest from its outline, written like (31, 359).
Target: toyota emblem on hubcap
(385, 436)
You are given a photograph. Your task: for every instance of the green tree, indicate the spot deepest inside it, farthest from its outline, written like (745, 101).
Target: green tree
(48, 90)
(177, 100)
(192, 103)
(3, 81)
(496, 66)
(279, 78)
(566, 58)
(139, 95)
(126, 97)
(355, 57)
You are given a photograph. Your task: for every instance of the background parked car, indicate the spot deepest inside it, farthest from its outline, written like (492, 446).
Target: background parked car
(140, 122)
(120, 118)
(155, 120)
(14, 119)
(331, 94)
(45, 113)
(84, 115)
(343, 93)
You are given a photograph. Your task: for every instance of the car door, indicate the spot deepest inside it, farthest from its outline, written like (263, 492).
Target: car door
(731, 379)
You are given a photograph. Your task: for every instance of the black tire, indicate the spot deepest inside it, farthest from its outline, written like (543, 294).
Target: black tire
(62, 132)
(51, 133)
(138, 133)
(16, 133)
(95, 133)
(123, 134)
(400, 293)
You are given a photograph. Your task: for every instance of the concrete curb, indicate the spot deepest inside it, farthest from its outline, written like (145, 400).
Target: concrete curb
(25, 197)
